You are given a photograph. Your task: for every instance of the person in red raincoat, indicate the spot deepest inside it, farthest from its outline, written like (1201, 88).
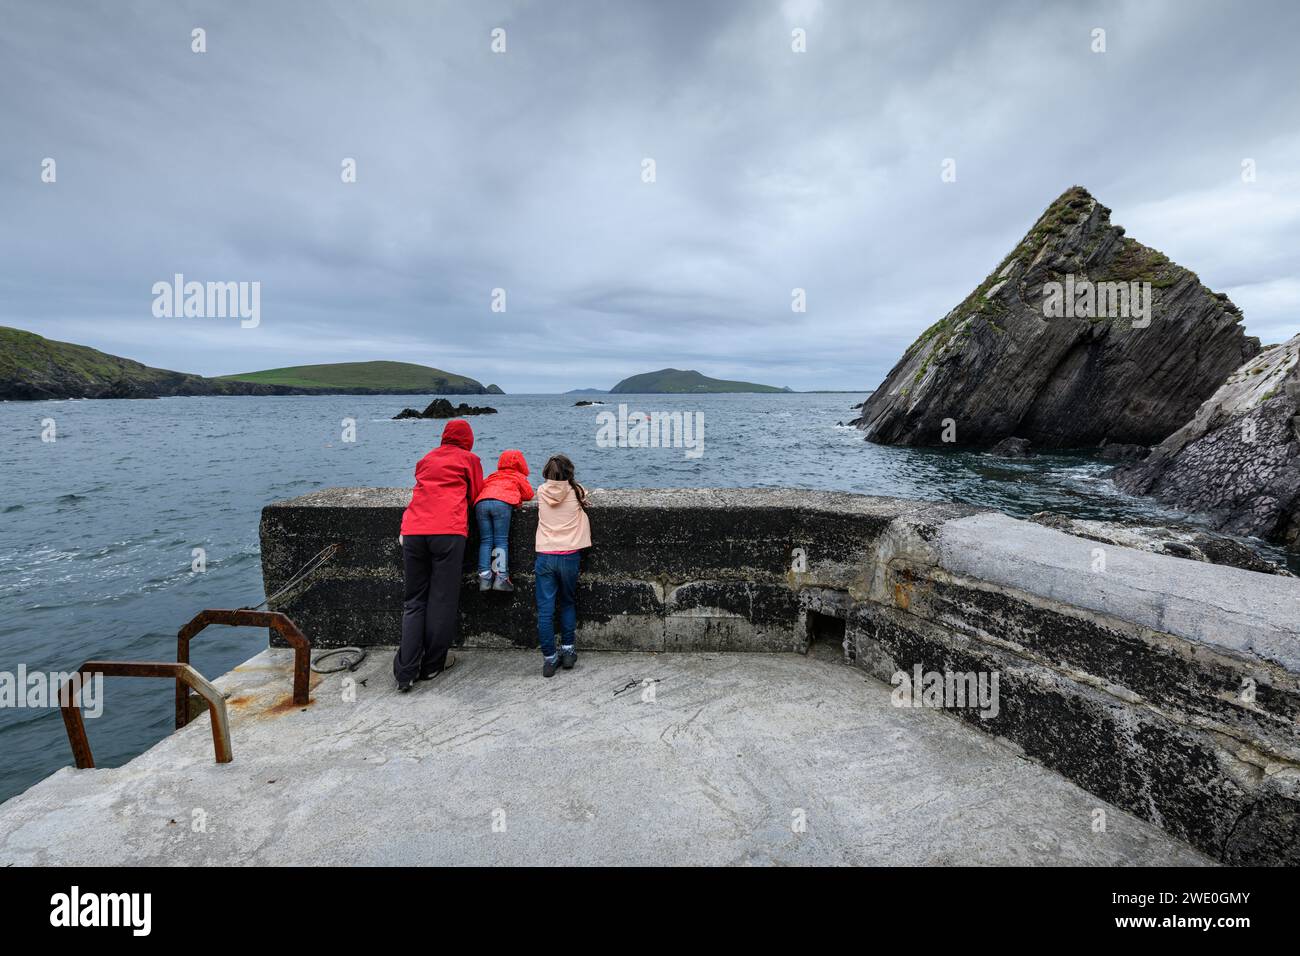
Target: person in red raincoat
(434, 528)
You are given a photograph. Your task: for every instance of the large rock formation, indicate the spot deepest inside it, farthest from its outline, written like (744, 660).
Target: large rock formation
(1238, 460)
(1001, 364)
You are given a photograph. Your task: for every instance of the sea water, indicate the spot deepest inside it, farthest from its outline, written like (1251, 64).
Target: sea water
(119, 520)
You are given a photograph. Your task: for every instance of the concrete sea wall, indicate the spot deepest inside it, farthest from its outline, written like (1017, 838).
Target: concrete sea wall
(1168, 687)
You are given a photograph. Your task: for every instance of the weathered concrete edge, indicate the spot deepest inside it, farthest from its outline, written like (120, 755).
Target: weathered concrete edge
(1186, 749)
(1201, 787)
(1240, 611)
(1253, 615)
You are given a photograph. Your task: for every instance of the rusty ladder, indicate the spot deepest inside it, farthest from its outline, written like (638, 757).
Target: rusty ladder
(187, 678)
(245, 617)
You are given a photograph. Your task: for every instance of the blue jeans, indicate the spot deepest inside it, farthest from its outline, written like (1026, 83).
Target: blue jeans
(557, 590)
(493, 536)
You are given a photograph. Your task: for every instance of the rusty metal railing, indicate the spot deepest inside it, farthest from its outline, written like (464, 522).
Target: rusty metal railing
(182, 673)
(245, 617)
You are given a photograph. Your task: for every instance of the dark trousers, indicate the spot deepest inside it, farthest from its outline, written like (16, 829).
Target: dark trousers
(432, 563)
(556, 584)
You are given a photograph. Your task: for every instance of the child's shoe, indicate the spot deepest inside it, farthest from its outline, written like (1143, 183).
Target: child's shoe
(485, 580)
(502, 583)
(549, 664)
(568, 656)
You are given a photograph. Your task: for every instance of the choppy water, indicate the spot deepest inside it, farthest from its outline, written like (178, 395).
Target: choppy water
(98, 526)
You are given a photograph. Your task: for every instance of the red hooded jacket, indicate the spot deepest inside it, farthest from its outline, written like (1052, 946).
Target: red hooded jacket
(447, 480)
(509, 483)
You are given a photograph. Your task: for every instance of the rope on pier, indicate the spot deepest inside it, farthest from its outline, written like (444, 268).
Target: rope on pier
(345, 666)
(306, 571)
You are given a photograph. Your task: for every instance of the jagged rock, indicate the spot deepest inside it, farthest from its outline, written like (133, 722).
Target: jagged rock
(441, 408)
(997, 365)
(1013, 448)
(1115, 451)
(1180, 541)
(586, 402)
(1238, 460)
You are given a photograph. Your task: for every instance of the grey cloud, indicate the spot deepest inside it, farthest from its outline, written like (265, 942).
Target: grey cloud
(775, 170)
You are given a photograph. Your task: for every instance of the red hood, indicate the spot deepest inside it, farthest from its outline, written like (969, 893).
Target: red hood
(513, 460)
(457, 432)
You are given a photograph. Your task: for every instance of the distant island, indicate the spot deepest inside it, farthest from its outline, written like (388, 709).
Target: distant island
(678, 381)
(587, 391)
(393, 378)
(33, 367)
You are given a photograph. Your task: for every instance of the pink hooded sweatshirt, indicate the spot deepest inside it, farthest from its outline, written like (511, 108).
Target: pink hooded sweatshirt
(561, 522)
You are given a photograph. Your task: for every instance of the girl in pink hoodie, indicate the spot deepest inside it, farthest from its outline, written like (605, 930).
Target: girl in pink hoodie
(562, 532)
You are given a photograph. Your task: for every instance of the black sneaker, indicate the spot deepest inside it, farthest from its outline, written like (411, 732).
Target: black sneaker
(548, 667)
(502, 583)
(404, 687)
(568, 659)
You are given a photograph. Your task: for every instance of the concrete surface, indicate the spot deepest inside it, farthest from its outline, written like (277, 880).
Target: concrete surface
(1224, 607)
(581, 770)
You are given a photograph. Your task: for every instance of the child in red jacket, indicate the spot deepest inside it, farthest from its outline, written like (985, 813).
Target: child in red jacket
(505, 489)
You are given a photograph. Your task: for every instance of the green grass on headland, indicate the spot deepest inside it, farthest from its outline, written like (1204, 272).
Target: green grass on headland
(374, 376)
(34, 367)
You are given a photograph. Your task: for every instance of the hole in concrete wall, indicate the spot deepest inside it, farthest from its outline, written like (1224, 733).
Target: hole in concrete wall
(825, 635)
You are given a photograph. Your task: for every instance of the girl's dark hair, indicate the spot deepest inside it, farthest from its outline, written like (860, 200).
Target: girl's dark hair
(559, 468)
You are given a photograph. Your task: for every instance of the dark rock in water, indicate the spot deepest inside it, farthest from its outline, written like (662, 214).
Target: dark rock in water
(1013, 448)
(1002, 363)
(586, 402)
(1238, 460)
(1115, 451)
(1179, 541)
(441, 408)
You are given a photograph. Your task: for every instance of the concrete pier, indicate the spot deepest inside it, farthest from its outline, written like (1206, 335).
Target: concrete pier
(1060, 686)
(1165, 686)
(734, 759)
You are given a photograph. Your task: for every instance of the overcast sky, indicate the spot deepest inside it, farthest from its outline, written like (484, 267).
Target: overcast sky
(523, 170)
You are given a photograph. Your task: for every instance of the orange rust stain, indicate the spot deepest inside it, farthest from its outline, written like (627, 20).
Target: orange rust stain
(283, 706)
(902, 595)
